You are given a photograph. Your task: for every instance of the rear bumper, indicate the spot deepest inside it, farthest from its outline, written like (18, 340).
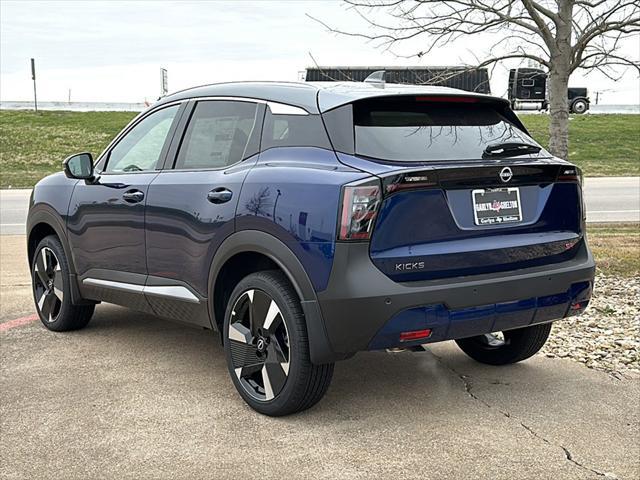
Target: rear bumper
(363, 309)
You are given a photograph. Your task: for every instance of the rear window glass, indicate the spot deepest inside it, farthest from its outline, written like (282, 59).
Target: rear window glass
(429, 131)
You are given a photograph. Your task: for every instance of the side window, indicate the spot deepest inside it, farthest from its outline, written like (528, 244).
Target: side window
(139, 150)
(294, 131)
(218, 135)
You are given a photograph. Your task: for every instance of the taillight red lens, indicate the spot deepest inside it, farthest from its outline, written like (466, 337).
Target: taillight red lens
(360, 205)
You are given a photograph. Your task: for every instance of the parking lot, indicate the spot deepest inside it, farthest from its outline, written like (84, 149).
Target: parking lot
(132, 396)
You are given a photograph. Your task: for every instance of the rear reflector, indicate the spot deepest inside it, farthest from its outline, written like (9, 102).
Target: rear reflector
(415, 335)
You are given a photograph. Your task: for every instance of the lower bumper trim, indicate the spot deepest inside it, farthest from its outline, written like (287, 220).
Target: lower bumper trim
(446, 324)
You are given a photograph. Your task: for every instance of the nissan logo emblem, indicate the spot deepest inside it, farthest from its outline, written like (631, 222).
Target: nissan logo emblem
(506, 174)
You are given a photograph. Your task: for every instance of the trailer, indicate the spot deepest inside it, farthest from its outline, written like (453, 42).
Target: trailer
(528, 91)
(460, 77)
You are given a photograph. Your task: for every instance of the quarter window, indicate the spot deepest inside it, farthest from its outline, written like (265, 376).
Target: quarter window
(140, 149)
(294, 131)
(217, 135)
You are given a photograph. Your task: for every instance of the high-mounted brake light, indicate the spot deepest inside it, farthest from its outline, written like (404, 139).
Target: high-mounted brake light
(451, 99)
(360, 204)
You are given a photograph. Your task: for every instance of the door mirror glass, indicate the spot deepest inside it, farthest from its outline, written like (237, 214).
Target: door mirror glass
(79, 166)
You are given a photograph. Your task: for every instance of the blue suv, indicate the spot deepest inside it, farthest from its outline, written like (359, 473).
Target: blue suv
(307, 222)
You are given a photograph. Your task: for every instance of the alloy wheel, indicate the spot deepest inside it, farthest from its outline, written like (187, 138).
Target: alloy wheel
(48, 284)
(259, 345)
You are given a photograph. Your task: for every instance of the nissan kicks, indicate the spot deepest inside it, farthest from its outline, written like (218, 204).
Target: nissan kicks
(308, 222)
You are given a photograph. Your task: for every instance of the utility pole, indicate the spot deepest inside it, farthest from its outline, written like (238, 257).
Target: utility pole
(33, 77)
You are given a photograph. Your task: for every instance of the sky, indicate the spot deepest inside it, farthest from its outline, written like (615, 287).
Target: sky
(113, 51)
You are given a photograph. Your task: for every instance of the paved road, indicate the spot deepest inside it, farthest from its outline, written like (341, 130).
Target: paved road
(609, 199)
(132, 396)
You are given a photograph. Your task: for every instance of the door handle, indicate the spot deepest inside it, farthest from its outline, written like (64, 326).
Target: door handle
(133, 196)
(219, 195)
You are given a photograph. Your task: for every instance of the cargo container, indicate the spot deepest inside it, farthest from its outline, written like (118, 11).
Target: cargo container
(460, 77)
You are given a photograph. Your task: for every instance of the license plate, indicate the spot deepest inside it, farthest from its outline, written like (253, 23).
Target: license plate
(497, 205)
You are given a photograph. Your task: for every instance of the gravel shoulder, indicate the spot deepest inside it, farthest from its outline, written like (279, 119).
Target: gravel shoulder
(607, 335)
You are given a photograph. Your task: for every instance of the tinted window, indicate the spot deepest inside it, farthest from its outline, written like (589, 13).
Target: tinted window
(217, 135)
(139, 150)
(294, 131)
(423, 131)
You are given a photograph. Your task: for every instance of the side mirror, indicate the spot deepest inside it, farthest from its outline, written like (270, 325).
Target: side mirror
(79, 166)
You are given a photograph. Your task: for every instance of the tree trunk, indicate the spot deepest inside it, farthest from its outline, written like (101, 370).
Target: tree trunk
(559, 82)
(559, 112)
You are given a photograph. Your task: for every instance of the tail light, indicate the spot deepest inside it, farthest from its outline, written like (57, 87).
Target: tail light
(360, 204)
(570, 174)
(574, 174)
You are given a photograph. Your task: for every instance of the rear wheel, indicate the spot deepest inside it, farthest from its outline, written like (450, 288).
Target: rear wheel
(52, 289)
(267, 348)
(579, 106)
(503, 348)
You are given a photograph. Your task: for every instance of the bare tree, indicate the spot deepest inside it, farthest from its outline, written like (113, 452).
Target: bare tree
(561, 35)
(260, 202)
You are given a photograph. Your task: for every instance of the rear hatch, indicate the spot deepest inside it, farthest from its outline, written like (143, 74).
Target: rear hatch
(463, 188)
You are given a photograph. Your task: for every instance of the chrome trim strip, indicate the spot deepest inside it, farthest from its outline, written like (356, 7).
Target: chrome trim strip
(284, 109)
(177, 292)
(233, 99)
(126, 287)
(276, 108)
(172, 291)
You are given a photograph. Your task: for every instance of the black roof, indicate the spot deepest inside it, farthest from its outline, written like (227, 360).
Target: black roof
(314, 97)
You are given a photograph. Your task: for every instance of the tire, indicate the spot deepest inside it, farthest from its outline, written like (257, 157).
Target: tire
(579, 107)
(52, 289)
(267, 347)
(517, 345)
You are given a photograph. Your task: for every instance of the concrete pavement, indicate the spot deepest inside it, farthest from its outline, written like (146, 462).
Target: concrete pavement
(609, 199)
(132, 396)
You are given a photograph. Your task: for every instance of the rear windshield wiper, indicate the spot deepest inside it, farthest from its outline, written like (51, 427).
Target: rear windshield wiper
(509, 149)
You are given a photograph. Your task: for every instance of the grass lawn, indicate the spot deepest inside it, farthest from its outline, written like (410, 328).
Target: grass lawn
(616, 248)
(33, 146)
(602, 145)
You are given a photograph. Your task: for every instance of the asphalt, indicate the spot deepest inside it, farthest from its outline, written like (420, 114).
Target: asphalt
(609, 199)
(133, 396)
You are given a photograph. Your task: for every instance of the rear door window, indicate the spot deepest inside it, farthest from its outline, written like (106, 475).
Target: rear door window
(414, 130)
(219, 134)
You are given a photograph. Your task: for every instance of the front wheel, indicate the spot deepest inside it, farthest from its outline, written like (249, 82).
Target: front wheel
(267, 347)
(52, 289)
(503, 348)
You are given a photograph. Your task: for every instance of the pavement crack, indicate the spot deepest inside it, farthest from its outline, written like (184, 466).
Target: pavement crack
(468, 386)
